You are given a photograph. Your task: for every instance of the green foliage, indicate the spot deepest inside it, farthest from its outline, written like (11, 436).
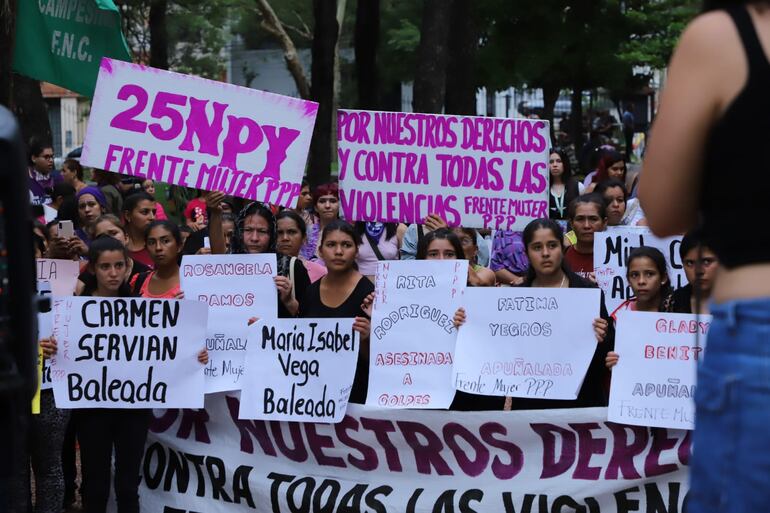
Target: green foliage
(197, 35)
(654, 28)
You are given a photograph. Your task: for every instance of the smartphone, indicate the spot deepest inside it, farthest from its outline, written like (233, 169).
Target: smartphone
(206, 243)
(66, 229)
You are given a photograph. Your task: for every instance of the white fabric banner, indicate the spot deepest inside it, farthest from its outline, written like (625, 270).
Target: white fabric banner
(654, 380)
(526, 342)
(472, 171)
(299, 369)
(128, 352)
(413, 337)
(236, 288)
(411, 461)
(611, 248)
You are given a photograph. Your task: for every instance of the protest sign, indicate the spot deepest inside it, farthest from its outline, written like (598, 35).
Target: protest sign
(526, 342)
(412, 342)
(193, 132)
(478, 172)
(236, 288)
(128, 353)
(611, 249)
(654, 380)
(398, 461)
(44, 330)
(61, 275)
(299, 369)
(62, 42)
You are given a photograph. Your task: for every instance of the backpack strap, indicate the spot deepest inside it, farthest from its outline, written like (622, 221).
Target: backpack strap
(375, 247)
(138, 282)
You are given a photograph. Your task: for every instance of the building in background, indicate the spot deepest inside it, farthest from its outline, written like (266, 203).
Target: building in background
(68, 115)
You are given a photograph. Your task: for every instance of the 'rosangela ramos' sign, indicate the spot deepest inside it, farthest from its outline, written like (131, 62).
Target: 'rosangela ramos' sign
(193, 132)
(472, 171)
(411, 461)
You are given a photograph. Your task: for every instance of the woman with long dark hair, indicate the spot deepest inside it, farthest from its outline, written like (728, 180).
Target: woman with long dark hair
(343, 292)
(255, 232)
(544, 240)
(564, 187)
(714, 116)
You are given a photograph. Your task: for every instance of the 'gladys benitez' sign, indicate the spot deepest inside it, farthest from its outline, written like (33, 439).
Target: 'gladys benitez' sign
(193, 132)
(478, 172)
(653, 382)
(526, 342)
(128, 353)
(412, 342)
(236, 288)
(299, 369)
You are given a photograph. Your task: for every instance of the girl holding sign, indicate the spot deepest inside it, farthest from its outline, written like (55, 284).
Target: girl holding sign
(343, 292)
(100, 430)
(544, 240)
(647, 275)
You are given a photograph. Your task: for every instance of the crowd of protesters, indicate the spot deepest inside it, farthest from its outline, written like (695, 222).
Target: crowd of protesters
(127, 245)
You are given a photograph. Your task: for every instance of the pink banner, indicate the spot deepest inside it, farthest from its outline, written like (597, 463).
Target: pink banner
(472, 171)
(193, 132)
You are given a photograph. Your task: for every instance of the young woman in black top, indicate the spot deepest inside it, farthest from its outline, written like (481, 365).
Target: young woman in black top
(564, 187)
(343, 292)
(102, 430)
(544, 241)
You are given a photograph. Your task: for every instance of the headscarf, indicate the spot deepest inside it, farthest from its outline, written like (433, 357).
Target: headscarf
(239, 248)
(96, 193)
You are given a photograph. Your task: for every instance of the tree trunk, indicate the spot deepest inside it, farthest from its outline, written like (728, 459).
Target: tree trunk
(7, 31)
(341, 4)
(366, 41)
(432, 54)
(158, 35)
(322, 89)
(461, 66)
(576, 113)
(273, 25)
(30, 109)
(550, 95)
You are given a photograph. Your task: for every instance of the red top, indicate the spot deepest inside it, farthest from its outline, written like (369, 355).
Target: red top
(628, 304)
(581, 264)
(143, 257)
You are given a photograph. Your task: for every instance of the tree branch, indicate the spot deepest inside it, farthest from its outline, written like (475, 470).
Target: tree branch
(273, 25)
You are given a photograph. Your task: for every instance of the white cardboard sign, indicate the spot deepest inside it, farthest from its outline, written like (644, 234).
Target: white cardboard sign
(128, 353)
(299, 370)
(654, 380)
(413, 336)
(526, 342)
(611, 249)
(236, 288)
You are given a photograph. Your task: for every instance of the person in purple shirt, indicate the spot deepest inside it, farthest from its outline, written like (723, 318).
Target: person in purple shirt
(42, 176)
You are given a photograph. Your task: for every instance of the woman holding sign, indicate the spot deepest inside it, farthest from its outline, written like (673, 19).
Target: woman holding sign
(255, 232)
(102, 430)
(343, 292)
(647, 275)
(544, 240)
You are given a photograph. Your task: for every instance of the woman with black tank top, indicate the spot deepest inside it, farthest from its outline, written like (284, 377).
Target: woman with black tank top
(714, 111)
(564, 187)
(343, 292)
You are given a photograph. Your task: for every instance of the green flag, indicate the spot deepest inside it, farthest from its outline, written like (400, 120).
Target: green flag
(63, 41)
